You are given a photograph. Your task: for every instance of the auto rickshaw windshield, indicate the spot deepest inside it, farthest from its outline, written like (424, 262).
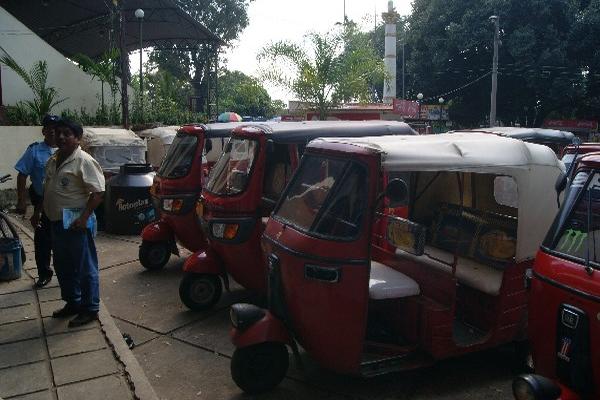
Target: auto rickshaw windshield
(178, 161)
(326, 198)
(577, 226)
(231, 173)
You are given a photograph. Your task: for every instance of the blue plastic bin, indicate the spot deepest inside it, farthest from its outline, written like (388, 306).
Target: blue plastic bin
(10, 259)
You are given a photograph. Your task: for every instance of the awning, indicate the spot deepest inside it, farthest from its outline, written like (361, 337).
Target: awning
(91, 26)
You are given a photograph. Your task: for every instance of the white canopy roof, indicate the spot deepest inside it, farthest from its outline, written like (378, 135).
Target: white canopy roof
(93, 137)
(534, 167)
(165, 133)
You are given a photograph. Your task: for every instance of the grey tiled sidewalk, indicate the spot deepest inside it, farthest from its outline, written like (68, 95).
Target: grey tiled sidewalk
(41, 358)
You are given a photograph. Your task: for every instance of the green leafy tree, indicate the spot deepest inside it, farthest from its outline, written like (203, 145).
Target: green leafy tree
(243, 94)
(338, 66)
(45, 97)
(104, 70)
(449, 47)
(225, 18)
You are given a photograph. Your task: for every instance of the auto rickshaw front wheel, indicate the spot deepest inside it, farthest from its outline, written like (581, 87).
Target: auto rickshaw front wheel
(154, 255)
(200, 291)
(259, 368)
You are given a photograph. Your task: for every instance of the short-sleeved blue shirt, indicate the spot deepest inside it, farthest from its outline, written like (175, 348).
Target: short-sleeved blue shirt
(33, 162)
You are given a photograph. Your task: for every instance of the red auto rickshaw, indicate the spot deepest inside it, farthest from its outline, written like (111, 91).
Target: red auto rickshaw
(564, 315)
(176, 187)
(451, 282)
(240, 194)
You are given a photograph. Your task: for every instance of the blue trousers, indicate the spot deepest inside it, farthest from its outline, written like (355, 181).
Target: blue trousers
(76, 266)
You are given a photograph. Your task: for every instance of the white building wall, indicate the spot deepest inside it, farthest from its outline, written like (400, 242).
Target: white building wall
(27, 48)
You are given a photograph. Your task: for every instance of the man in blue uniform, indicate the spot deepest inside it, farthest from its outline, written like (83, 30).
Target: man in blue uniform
(32, 164)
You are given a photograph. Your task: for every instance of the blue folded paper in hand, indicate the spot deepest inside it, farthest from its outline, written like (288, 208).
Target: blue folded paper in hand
(71, 214)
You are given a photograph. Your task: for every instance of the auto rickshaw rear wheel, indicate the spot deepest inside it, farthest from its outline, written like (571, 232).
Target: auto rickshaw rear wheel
(200, 291)
(154, 255)
(259, 368)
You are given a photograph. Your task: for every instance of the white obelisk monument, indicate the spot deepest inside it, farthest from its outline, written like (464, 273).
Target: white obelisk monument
(389, 87)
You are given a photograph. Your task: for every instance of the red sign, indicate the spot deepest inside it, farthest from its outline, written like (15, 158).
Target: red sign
(406, 108)
(571, 124)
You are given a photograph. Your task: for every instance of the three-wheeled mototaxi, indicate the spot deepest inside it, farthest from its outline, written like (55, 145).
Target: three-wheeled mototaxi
(240, 194)
(564, 317)
(451, 282)
(553, 138)
(175, 189)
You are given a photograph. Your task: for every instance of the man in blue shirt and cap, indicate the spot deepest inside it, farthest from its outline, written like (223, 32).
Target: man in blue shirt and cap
(32, 163)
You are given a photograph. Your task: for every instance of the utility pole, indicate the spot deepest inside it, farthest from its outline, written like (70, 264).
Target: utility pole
(124, 56)
(496, 21)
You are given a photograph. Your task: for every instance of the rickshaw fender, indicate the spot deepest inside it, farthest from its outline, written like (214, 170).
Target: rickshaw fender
(267, 329)
(204, 262)
(158, 231)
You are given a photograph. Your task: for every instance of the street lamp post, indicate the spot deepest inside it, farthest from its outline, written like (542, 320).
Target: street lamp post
(419, 98)
(441, 101)
(496, 21)
(139, 14)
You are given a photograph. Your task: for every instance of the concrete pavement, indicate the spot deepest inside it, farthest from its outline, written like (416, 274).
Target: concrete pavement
(186, 355)
(41, 358)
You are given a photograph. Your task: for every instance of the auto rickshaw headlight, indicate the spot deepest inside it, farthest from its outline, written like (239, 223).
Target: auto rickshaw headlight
(224, 231)
(172, 205)
(244, 315)
(535, 387)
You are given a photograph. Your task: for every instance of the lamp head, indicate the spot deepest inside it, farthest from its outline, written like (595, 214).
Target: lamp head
(139, 13)
(441, 100)
(493, 18)
(420, 96)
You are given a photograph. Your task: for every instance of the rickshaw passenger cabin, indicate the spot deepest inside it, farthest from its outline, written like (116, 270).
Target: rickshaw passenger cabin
(451, 282)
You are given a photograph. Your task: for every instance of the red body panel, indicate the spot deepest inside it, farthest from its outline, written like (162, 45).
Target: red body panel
(268, 329)
(558, 281)
(328, 318)
(206, 262)
(245, 261)
(182, 228)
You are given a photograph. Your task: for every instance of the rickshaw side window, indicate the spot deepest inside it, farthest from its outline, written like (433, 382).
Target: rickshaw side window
(505, 191)
(278, 171)
(178, 161)
(231, 173)
(581, 229)
(315, 196)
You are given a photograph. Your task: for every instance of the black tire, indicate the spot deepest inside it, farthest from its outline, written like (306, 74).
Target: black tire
(259, 368)
(154, 255)
(200, 291)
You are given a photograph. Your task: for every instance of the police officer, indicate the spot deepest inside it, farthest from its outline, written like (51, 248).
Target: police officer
(32, 163)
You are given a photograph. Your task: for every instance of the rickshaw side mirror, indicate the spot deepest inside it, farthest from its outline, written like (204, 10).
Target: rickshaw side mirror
(561, 183)
(207, 146)
(397, 191)
(576, 141)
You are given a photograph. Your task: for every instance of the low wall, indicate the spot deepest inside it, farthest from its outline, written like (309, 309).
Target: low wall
(13, 142)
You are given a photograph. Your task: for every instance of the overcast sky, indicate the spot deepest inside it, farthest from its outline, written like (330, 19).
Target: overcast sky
(274, 20)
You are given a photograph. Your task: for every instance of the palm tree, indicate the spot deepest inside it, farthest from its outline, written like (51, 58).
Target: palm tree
(103, 69)
(45, 97)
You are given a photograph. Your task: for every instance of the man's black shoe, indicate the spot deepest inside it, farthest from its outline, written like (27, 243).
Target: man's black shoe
(83, 318)
(44, 280)
(67, 311)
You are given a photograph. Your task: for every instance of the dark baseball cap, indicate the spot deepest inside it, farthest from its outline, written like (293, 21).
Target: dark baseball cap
(72, 125)
(50, 120)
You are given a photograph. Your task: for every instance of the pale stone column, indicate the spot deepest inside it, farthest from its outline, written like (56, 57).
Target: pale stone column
(389, 87)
